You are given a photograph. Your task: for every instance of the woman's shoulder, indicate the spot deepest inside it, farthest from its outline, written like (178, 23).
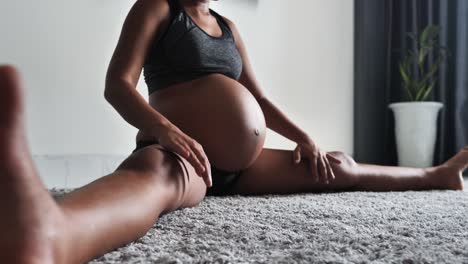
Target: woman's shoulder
(151, 8)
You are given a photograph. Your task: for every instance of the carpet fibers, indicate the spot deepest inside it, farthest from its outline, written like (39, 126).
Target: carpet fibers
(350, 227)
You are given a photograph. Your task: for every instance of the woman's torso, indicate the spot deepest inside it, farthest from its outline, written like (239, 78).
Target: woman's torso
(207, 102)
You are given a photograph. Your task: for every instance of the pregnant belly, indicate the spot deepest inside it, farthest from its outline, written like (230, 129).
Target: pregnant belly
(221, 114)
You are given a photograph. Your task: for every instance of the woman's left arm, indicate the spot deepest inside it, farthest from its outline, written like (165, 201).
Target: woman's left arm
(277, 121)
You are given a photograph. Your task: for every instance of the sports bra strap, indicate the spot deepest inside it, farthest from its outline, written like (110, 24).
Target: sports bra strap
(223, 22)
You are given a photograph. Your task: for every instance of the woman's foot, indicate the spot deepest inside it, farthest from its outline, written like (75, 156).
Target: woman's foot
(31, 222)
(449, 174)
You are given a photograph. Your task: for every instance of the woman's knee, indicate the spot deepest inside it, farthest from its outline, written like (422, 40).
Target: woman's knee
(346, 170)
(167, 172)
(148, 160)
(344, 158)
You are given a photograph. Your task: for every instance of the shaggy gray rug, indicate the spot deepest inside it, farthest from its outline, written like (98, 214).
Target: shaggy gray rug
(351, 227)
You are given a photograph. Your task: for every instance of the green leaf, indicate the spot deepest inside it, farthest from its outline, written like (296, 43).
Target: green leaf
(418, 95)
(433, 68)
(422, 57)
(404, 74)
(429, 33)
(420, 89)
(419, 86)
(408, 91)
(429, 89)
(412, 88)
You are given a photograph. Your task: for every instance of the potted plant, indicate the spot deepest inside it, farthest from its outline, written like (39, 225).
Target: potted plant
(416, 120)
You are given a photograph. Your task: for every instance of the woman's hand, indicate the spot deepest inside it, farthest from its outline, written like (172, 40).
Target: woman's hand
(172, 138)
(319, 161)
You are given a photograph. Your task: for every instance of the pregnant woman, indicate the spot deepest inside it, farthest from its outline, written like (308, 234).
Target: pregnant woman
(201, 133)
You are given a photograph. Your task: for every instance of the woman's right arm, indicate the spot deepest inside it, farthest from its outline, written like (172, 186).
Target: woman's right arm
(144, 20)
(142, 24)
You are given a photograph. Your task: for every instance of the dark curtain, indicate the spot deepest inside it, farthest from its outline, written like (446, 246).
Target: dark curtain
(380, 36)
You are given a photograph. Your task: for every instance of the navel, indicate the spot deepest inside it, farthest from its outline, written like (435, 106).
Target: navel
(257, 132)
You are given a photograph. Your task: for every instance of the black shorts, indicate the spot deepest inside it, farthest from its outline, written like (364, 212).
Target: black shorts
(223, 181)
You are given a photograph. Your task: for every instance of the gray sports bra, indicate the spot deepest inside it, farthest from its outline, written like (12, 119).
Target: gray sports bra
(185, 52)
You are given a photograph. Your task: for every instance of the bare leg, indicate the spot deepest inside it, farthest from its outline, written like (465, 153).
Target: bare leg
(384, 178)
(20, 188)
(98, 217)
(274, 172)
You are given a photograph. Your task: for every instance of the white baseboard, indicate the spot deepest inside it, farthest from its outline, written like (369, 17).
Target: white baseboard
(72, 171)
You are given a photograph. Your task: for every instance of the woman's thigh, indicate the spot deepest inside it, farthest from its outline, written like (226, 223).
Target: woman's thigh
(274, 172)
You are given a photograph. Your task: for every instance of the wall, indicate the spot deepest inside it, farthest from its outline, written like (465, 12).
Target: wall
(301, 51)
(62, 49)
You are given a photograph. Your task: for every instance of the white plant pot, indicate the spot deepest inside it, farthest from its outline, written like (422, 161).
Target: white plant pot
(416, 131)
